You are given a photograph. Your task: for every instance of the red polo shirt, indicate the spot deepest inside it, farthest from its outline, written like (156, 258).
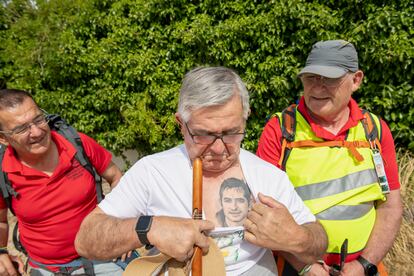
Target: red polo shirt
(269, 147)
(50, 209)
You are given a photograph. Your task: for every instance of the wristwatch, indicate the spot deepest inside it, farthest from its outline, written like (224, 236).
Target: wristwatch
(305, 270)
(142, 228)
(370, 269)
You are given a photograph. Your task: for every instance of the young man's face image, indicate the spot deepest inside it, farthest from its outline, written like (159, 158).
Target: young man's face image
(235, 206)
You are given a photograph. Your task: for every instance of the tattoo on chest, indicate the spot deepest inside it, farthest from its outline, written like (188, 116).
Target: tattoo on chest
(235, 201)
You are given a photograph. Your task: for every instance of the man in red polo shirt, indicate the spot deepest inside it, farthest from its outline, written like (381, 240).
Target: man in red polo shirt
(335, 167)
(55, 192)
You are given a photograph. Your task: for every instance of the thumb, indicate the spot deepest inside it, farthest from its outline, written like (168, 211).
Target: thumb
(268, 201)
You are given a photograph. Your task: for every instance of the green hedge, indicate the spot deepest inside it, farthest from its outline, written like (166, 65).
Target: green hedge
(113, 68)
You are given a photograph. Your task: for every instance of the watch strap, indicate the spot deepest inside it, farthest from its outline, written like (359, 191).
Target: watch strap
(142, 228)
(368, 266)
(305, 270)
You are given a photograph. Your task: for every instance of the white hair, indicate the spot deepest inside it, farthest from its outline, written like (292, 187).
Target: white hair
(210, 86)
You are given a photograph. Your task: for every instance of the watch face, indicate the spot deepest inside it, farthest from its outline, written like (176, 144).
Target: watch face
(142, 228)
(372, 270)
(144, 224)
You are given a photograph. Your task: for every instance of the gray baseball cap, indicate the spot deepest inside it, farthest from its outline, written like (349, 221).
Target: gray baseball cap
(331, 59)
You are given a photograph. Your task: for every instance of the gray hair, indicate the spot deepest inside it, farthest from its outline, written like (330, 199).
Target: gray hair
(210, 86)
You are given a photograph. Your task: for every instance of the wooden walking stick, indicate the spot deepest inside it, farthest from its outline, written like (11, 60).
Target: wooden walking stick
(196, 267)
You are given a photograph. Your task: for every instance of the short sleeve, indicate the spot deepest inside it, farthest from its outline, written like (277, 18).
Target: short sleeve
(269, 147)
(98, 155)
(129, 198)
(389, 156)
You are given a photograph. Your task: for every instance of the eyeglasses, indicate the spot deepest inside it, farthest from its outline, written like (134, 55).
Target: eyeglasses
(231, 138)
(39, 121)
(328, 82)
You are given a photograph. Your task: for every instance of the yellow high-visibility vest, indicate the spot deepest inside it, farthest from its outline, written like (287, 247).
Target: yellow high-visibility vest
(338, 189)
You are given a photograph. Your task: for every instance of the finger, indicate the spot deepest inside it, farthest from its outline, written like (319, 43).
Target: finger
(2, 271)
(269, 201)
(254, 216)
(249, 225)
(123, 257)
(182, 258)
(8, 267)
(186, 256)
(326, 267)
(260, 208)
(19, 262)
(250, 237)
(21, 267)
(191, 252)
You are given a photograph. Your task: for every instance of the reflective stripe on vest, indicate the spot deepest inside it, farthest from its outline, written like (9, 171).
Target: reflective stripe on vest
(336, 186)
(339, 190)
(345, 212)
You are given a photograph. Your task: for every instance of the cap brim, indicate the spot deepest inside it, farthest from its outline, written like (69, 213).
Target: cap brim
(325, 71)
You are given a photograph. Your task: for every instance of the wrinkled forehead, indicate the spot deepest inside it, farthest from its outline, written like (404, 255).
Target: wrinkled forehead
(19, 114)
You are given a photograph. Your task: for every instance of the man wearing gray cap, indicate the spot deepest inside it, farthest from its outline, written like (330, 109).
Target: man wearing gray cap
(341, 160)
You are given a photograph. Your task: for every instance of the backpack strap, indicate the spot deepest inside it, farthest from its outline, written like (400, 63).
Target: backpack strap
(67, 131)
(67, 268)
(88, 267)
(7, 190)
(352, 146)
(288, 127)
(16, 240)
(371, 130)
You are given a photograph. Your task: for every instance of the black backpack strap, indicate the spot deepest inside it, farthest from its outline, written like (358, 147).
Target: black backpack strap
(16, 240)
(67, 131)
(7, 190)
(287, 124)
(88, 267)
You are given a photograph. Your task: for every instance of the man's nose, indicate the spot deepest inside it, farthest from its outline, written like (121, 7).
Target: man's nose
(35, 130)
(218, 146)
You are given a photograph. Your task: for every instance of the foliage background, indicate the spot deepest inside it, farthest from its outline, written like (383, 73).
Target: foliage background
(113, 68)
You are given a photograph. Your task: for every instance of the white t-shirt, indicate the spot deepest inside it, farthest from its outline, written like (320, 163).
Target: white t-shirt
(161, 185)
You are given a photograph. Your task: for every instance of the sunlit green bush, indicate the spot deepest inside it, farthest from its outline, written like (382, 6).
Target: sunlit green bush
(113, 68)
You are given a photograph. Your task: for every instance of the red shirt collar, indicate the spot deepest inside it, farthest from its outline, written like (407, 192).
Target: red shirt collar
(12, 164)
(355, 115)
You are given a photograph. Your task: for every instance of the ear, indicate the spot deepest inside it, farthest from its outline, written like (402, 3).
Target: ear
(4, 140)
(357, 80)
(179, 120)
